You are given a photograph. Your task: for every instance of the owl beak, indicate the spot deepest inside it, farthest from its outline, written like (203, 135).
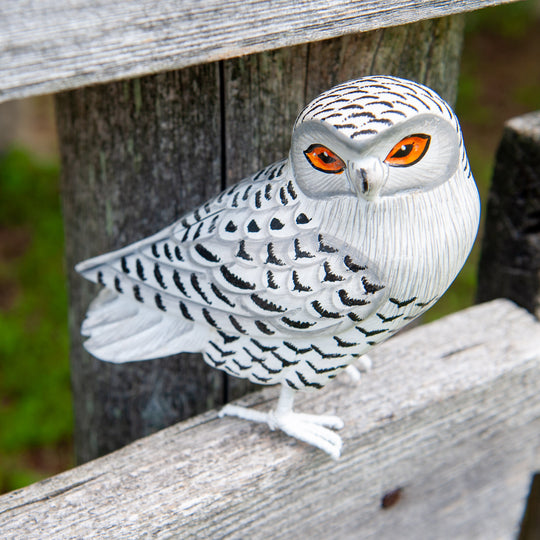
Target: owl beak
(367, 177)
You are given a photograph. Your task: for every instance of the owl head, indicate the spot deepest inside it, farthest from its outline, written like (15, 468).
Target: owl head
(375, 137)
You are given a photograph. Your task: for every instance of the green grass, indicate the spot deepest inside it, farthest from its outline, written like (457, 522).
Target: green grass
(35, 401)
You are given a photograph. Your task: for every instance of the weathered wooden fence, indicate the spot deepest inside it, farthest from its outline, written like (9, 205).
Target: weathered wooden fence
(441, 440)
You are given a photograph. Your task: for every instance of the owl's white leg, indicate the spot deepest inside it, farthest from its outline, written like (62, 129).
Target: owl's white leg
(310, 428)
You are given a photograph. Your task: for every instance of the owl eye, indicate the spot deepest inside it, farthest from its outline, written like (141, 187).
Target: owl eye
(408, 151)
(323, 159)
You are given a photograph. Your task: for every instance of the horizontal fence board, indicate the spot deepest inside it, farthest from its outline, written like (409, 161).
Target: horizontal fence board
(47, 46)
(446, 425)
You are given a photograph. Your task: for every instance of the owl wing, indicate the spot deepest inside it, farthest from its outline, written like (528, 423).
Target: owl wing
(250, 262)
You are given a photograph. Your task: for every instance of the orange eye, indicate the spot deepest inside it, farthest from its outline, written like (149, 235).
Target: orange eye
(408, 151)
(323, 159)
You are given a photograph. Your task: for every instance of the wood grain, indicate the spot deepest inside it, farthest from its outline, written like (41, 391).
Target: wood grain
(510, 261)
(449, 418)
(137, 154)
(47, 46)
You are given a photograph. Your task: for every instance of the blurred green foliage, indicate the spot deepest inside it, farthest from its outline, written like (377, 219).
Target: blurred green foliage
(35, 401)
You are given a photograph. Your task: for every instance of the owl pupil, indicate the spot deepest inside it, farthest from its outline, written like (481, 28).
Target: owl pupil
(325, 158)
(404, 150)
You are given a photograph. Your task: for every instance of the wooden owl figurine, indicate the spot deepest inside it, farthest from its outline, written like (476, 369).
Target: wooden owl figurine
(293, 273)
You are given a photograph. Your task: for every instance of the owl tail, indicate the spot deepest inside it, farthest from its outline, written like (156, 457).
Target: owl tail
(121, 330)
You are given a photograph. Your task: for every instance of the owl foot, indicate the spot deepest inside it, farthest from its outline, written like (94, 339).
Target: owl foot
(363, 364)
(309, 428)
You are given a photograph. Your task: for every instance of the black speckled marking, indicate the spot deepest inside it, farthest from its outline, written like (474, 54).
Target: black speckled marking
(276, 224)
(117, 284)
(284, 361)
(327, 355)
(221, 295)
(265, 304)
(253, 227)
(263, 348)
(234, 280)
(240, 366)
(320, 371)
(325, 248)
(388, 319)
(209, 319)
(159, 276)
(246, 193)
(369, 333)
(100, 278)
(198, 231)
(237, 325)
(301, 325)
(297, 285)
(155, 252)
(140, 270)
(125, 268)
(343, 343)
(291, 384)
(351, 265)
(283, 196)
(242, 253)
(213, 361)
(402, 303)
(179, 284)
(258, 199)
(297, 350)
(264, 328)
(270, 280)
(159, 302)
(178, 253)
(231, 227)
(220, 350)
(206, 254)
(329, 275)
(167, 251)
(137, 293)
(302, 219)
(253, 357)
(347, 300)
(370, 288)
(305, 382)
(212, 227)
(185, 312)
(292, 192)
(299, 253)
(196, 285)
(325, 313)
(272, 259)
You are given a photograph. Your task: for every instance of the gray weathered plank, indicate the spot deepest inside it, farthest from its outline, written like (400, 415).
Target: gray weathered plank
(47, 46)
(450, 414)
(510, 261)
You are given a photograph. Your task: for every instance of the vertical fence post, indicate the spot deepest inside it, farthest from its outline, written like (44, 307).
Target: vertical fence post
(139, 153)
(510, 260)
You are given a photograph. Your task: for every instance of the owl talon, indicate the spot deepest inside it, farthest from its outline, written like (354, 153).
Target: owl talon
(309, 428)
